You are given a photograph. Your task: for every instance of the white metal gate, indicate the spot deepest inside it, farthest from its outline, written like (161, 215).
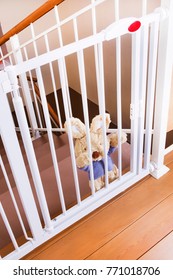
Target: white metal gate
(144, 37)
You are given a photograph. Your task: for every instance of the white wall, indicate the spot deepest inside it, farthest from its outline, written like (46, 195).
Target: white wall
(13, 11)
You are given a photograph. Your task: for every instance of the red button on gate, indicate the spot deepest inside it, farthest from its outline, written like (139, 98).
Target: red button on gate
(134, 26)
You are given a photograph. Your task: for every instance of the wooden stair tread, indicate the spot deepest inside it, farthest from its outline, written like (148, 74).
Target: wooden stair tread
(163, 250)
(103, 227)
(140, 236)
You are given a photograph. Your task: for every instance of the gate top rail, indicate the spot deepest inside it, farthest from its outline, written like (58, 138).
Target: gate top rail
(114, 30)
(38, 13)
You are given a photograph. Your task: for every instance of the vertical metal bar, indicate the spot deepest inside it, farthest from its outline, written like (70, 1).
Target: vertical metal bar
(142, 91)
(34, 93)
(134, 110)
(101, 97)
(67, 88)
(67, 114)
(24, 84)
(64, 64)
(86, 115)
(10, 59)
(94, 23)
(13, 199)
(8, 227)
(50, 137)
(144, 7)
(82, 76)
(1, 52)
(97, 70)
(119, 103)
(151, 90)
(59, 26)
(33, 37)
(53, 83)
(117, 9)
(94, 27)
(75, 29)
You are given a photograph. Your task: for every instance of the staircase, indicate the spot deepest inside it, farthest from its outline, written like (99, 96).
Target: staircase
(44, 159)
(42, 151)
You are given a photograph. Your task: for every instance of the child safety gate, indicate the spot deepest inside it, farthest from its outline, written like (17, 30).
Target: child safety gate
(27, 74)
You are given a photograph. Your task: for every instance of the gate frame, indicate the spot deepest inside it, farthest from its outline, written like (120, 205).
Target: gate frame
(13, 151)
(163, 90)
(104, 195)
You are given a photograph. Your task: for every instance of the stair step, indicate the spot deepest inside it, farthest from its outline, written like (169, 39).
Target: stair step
(40, 146)
(44, 161)
(49, 183)
(2, 149)
(12, 218)
(52, 197)
(43, 155)
(68, 185)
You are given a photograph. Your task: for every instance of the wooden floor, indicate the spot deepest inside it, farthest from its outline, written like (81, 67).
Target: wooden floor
(136, 225)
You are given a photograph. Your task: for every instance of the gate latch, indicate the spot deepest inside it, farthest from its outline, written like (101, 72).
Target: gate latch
(121, 27)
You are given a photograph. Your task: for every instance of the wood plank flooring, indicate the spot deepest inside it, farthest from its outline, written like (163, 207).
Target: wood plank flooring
(135, 225)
